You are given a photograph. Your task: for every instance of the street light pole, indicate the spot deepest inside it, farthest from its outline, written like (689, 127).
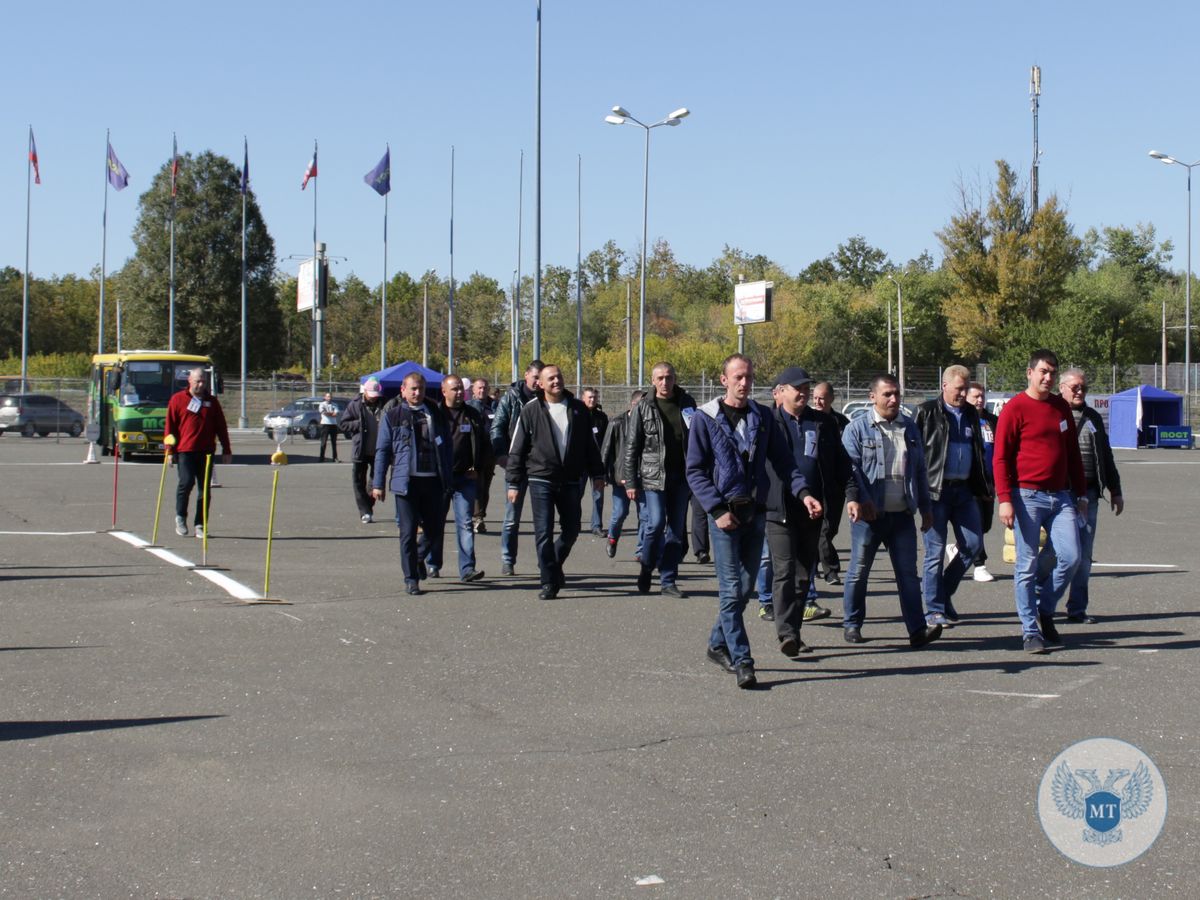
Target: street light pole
(899, 329)
(621, 116)
(1187, 305)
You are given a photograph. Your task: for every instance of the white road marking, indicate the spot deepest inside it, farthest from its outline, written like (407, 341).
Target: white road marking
(289, 615)
(233, 588)
(1162, 462)
(168, 556)
(130, 539)
(46, 533)
(1097, 565)
(1155, 650)
(1015, 694)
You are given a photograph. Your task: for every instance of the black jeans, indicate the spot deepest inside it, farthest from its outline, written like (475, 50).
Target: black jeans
(987, 509)
(191, 465)
(830, 523)
(329, 433)
(699, 528)
(483, 486)
(793, 556)
(547, 498)
(424, 505)
(362, 473)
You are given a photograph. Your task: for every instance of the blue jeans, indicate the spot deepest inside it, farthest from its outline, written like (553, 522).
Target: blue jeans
(548, 498)
(666, 519)
(1077, 600)
(956, 505)
(586, 484)
(1033, 511)
(423, 505)
(736, 556)
(512, 525)
(899, 532)
(463, 503)
(764, 584)
(620, 511)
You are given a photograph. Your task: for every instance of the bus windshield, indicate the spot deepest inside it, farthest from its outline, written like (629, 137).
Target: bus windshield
(152, 382)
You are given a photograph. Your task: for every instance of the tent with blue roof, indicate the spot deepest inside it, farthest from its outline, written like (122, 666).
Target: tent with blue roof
(392, 378)
(1132, 412)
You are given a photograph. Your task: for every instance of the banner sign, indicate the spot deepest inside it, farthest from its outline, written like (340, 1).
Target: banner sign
(752, 302)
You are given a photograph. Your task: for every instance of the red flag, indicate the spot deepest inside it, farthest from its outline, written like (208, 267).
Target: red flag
(311, 171)
(37, 175)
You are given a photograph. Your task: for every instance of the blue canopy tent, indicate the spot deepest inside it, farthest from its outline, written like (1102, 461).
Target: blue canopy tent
(1132, 412)
(392, 378)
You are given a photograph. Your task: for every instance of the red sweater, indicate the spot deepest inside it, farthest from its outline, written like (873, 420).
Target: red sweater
(196, 431)
(1037, 447)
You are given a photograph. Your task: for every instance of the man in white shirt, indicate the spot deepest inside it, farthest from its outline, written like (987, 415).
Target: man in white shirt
(329, 429)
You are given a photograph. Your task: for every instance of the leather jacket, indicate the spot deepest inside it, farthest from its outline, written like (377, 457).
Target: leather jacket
(642, 468)
(932, 422)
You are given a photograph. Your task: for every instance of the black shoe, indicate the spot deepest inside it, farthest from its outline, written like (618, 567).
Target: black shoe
(1033, 643)
(792, 646)
(1083, 619)
(853, 636)
(507, 569)
(413, 589)
(481, 528)
(1049, 632)
(561, 581)
(832, 577)
(422, 570)
(703, 558)
(643, 580)
(670, 590)
(599, 532)
(611, 548)
(472, 575)
(720, 656)
(435, 572)
(766, 612)
(951, 613)
(926, 635)
(548, 592)
(746, 679)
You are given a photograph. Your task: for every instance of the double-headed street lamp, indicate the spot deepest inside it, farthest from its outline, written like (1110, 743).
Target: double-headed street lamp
(1187, 306)
(621, 116)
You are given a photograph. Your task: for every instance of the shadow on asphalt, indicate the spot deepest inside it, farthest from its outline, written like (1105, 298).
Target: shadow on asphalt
(67, 647)
(25, 731)
(1015, 667)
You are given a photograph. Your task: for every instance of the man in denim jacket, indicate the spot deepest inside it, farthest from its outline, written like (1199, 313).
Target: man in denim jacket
(888, 486)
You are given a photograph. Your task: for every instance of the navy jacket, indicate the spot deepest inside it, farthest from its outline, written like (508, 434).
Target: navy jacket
(396, 447)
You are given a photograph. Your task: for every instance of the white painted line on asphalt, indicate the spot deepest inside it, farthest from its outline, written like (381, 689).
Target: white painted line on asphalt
(168, 556)
(46, 533)
(130, 539)
(1015, 694)
(1155, 650)
(289, 615)
(233, 588)
(1161, 462)
(1097, 565)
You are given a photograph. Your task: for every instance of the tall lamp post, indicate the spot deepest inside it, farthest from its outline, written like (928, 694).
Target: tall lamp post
(621, 116)
(1187, 305)
(899, 328)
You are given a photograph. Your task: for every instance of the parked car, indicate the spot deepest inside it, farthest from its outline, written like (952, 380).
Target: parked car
(300, 417)
(31, 414)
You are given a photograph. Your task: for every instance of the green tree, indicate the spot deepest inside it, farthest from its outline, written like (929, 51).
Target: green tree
(208, 229)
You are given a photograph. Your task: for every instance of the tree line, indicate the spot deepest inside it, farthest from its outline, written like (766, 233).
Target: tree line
(1010, 278)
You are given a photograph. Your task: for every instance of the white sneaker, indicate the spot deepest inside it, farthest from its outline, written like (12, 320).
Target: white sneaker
(982, 574)
(366, 519)
(180, 525)
(200, 531)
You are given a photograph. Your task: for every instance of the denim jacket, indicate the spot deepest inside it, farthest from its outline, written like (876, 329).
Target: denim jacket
(864, 446)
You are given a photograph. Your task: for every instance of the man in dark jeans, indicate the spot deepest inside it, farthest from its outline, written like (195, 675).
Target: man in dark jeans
(977, 397)
(360, 423)
(591, 399)
(823, 400)
(481, 400)
(551, 453)
(504, 425)
(194, 423)
(329, 427)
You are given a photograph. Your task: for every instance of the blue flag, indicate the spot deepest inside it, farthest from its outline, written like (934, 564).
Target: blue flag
(380, 178)
(245, 166)
(117, 176)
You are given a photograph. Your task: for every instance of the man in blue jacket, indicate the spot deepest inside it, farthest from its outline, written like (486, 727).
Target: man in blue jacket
(732, 441)
(414, 441)
(889, 485)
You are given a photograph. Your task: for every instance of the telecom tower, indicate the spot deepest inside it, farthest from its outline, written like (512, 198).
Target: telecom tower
(1035, 91)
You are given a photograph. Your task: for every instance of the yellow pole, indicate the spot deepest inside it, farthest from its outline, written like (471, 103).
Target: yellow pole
(169, 442)
(270, 532)
(204, 515)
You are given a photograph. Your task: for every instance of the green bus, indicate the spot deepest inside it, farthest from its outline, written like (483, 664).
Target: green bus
(128, 395)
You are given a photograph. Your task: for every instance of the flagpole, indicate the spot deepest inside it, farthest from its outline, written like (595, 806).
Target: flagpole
(243, 420)
(516, 311)
(450, 318)
(25, 284)
(383, 301)
(171, 302)
(316, 327)
(537, 201)
(104, 240)
(579, 273)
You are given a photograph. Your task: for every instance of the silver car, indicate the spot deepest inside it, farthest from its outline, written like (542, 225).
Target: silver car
(301, 416)
(31, 414)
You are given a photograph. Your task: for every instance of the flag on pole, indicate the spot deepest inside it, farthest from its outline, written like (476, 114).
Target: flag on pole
(174, 165)
(379, 179)
(117, 176)
(245, 166)
(311, 171)
(37, 175)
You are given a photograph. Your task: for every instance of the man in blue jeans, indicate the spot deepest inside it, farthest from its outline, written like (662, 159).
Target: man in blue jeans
(955, 464)
(504, 424)
(472, 454)
(655, 451)
(612, 454)
(732, 441)
(889, 485)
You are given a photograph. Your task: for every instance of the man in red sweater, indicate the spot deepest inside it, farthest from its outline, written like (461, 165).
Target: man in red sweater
(195, 421)
(1040, 484)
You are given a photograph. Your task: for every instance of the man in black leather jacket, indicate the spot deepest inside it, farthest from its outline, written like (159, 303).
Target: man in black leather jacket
(508, 411)
(953, 442)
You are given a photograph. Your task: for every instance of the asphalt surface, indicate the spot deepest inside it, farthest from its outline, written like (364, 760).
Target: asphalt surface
(161, 739)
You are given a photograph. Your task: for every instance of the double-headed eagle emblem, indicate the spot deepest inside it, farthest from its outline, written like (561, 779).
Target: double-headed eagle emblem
(1099, 804)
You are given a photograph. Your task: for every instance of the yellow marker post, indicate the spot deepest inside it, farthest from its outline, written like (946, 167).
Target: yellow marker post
(204, 510)
(168, 443)
(278, 459)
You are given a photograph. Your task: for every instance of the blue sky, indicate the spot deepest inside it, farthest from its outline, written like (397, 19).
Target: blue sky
(810, 123)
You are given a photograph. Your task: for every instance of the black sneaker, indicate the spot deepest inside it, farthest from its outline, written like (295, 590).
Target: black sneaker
(766, 612)
(721, 657)
(832, 577)
(789, 646)
(645, 577)
(703, 558)
(1049, 632)
(853, 636)
(923, 636)
(1082, 619)
(670, 590)
(472, 575)
(746, 679)
(507, 569)
(1033, 643)
(413, 589)
(548, 592)
(611, 548)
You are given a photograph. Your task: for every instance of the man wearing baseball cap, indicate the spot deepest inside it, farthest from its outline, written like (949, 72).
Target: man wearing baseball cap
(360, 423)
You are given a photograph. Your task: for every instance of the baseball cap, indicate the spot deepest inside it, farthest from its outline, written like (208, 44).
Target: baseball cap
(795, 376)
(371, 388)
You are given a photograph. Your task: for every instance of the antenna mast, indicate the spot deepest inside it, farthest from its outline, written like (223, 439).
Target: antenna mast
(1035, 92)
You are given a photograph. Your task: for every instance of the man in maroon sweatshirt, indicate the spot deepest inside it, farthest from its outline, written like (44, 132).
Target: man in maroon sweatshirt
(195, 420)
(1040, 484)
